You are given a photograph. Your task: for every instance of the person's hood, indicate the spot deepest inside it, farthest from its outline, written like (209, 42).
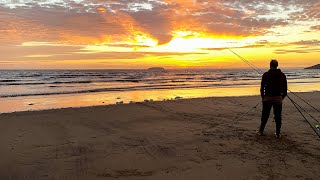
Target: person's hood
(274, 72)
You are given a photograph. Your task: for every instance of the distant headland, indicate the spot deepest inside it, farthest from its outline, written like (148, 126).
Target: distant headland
(156, 69)
(314, 67)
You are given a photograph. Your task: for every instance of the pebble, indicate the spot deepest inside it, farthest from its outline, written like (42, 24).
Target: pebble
(178, 97)
(120, 102)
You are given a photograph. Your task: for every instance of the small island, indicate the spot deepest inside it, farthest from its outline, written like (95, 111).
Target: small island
(157, 69)
(314, 67)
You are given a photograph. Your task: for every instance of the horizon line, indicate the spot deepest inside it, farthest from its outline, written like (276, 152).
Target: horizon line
(146, 68)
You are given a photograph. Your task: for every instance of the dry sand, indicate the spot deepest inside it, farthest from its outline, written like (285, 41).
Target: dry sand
(183, 139)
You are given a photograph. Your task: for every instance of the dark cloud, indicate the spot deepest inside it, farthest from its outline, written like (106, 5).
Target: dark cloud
(156, 23)
(127, 45)
(317, 28)
(62, 52)
(19, 52)
(108, 55)
(301, 47)
(249, 46)
(298, 46)
(300, 51)
(308, 43)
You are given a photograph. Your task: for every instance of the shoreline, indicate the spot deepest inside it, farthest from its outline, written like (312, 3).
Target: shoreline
(163, 101)
(107, 105)
(187, 139)
(32, 103)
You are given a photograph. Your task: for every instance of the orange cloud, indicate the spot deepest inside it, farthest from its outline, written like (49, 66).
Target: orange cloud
(153, 28)
(115, 21)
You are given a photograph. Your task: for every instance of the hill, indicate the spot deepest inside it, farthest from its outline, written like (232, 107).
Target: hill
(314, 67)
(156, 69)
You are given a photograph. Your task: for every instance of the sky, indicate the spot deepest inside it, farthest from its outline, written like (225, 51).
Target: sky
(138, 34)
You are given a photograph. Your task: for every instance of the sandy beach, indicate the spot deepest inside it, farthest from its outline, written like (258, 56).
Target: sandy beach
(181, 139)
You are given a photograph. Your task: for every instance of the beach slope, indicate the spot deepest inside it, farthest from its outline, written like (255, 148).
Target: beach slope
(183, 139)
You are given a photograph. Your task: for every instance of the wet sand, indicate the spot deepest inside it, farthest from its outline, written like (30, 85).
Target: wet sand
(182, 139)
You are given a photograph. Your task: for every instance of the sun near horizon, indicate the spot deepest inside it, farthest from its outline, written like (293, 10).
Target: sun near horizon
(60, 34)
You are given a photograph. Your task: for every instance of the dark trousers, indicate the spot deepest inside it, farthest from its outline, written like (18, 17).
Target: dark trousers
(277, 110)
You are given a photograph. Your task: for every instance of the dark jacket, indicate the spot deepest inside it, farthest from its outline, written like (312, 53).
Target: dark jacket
(274, 83)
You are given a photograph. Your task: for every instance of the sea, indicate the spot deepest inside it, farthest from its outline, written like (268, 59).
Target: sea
(24, 90)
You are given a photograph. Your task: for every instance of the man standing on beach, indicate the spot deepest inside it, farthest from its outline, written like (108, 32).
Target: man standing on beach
(273, 90)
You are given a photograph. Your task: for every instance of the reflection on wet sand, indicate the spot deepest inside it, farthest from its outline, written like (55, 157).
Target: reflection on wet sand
(103, 98)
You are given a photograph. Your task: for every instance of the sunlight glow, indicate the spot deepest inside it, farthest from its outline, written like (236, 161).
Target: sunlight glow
(182, 44)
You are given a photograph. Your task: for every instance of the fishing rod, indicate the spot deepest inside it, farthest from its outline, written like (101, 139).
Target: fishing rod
(260, 72)
(293, 102)
(247, 62)
(303, 100)
(246, 113)
(295, 105)
(304, 110)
